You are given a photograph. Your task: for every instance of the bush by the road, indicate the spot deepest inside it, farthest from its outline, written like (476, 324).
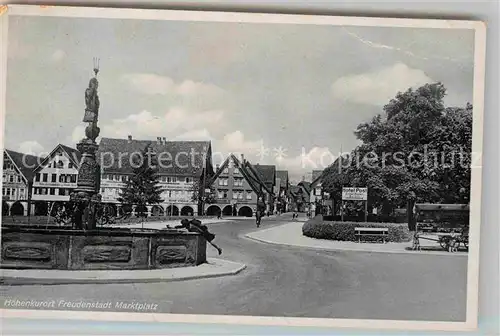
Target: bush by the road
(345, 231)
(371, 218)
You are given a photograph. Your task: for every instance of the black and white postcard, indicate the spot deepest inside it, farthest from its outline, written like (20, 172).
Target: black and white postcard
(241, 168)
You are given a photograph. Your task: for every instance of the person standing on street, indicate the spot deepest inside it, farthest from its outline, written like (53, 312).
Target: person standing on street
(261, 209)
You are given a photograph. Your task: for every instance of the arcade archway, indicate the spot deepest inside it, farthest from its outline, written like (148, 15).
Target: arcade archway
(172, 210)
(245, 211)
(187, 211)
(227, 211)
(17, 209)
(213, 210)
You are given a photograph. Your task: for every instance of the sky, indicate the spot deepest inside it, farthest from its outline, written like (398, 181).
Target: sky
(282, 94)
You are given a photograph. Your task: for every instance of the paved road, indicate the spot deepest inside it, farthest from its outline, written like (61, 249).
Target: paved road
(294, 282)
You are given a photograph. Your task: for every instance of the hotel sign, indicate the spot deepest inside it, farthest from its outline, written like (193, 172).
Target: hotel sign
(354, 194)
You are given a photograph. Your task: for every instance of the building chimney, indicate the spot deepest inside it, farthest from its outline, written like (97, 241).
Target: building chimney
(242, 158)
(164, 140)
(129, 138)
(158, 140)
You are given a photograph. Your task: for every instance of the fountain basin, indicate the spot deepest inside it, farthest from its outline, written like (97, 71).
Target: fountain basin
(53, 247)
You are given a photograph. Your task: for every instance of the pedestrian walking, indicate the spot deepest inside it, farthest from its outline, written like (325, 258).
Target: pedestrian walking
(261, 208)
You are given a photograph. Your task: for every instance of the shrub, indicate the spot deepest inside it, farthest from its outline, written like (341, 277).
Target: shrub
(371, 218)
(345, 231)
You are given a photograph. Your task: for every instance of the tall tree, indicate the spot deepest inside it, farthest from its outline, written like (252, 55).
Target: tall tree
(142, 188)
(197, 193)
(419, 150)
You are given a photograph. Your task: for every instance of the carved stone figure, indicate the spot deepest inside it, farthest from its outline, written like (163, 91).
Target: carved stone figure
(91, 101)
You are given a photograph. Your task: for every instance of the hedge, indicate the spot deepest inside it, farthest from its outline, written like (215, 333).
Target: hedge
(372, 218)
(345, 231)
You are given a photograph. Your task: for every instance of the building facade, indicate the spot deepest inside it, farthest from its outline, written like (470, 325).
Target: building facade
(17, 176)
(54, 179)
(234, 193)
(182, 168)
(282, 185)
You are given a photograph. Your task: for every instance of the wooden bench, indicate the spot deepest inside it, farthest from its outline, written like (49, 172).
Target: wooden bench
(370, 231)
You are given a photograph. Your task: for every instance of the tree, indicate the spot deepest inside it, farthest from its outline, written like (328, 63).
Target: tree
(197, 193)
(419, 150)
(142, 187)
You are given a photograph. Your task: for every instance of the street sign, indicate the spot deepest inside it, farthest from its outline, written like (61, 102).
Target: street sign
(354, 194)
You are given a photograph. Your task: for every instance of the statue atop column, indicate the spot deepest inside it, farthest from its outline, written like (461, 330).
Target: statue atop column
(86, 195)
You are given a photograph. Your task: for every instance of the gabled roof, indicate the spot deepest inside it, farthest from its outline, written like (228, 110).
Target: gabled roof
(267, 173)
(306, 186)
(73, 155)
(298, 193)
(247, 171)
(316, 177)
(283, 176)
(25, 163)
(258, 176)
(176, 158)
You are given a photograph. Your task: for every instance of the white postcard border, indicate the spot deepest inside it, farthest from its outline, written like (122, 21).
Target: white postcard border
(213, 16)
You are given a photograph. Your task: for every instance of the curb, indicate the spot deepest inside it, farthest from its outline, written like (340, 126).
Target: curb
(10, 277)
(342, 249)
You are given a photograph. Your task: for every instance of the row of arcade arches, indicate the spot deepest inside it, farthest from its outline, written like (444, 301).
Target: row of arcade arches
(228, 210)
(41, 208)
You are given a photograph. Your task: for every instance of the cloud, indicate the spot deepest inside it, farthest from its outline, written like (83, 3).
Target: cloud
(177, 123)
(58, 55)
(378, 87)
(195, 135)
(77, 135)
(152, 84)
(30, 147)
(401, 50)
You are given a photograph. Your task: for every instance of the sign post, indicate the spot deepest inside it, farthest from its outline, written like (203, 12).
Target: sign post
(355, 194)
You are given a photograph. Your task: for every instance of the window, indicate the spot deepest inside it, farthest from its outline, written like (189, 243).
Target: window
(220, 194)
(174, 179)
(317, 191)
(45, 177)
(223, 181)
(235, 194)
(11, 178)
(249, 195)
(54, 178)
(226, 170)
(236, 170)
(60, 164)
(224, 194)
(52, 191)
(3, 191)
(73, 178)
(238, 182)
(124, 178)
(37, 178)
(8, 191)
(70, 165)
(188, 180)
(22, 191)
